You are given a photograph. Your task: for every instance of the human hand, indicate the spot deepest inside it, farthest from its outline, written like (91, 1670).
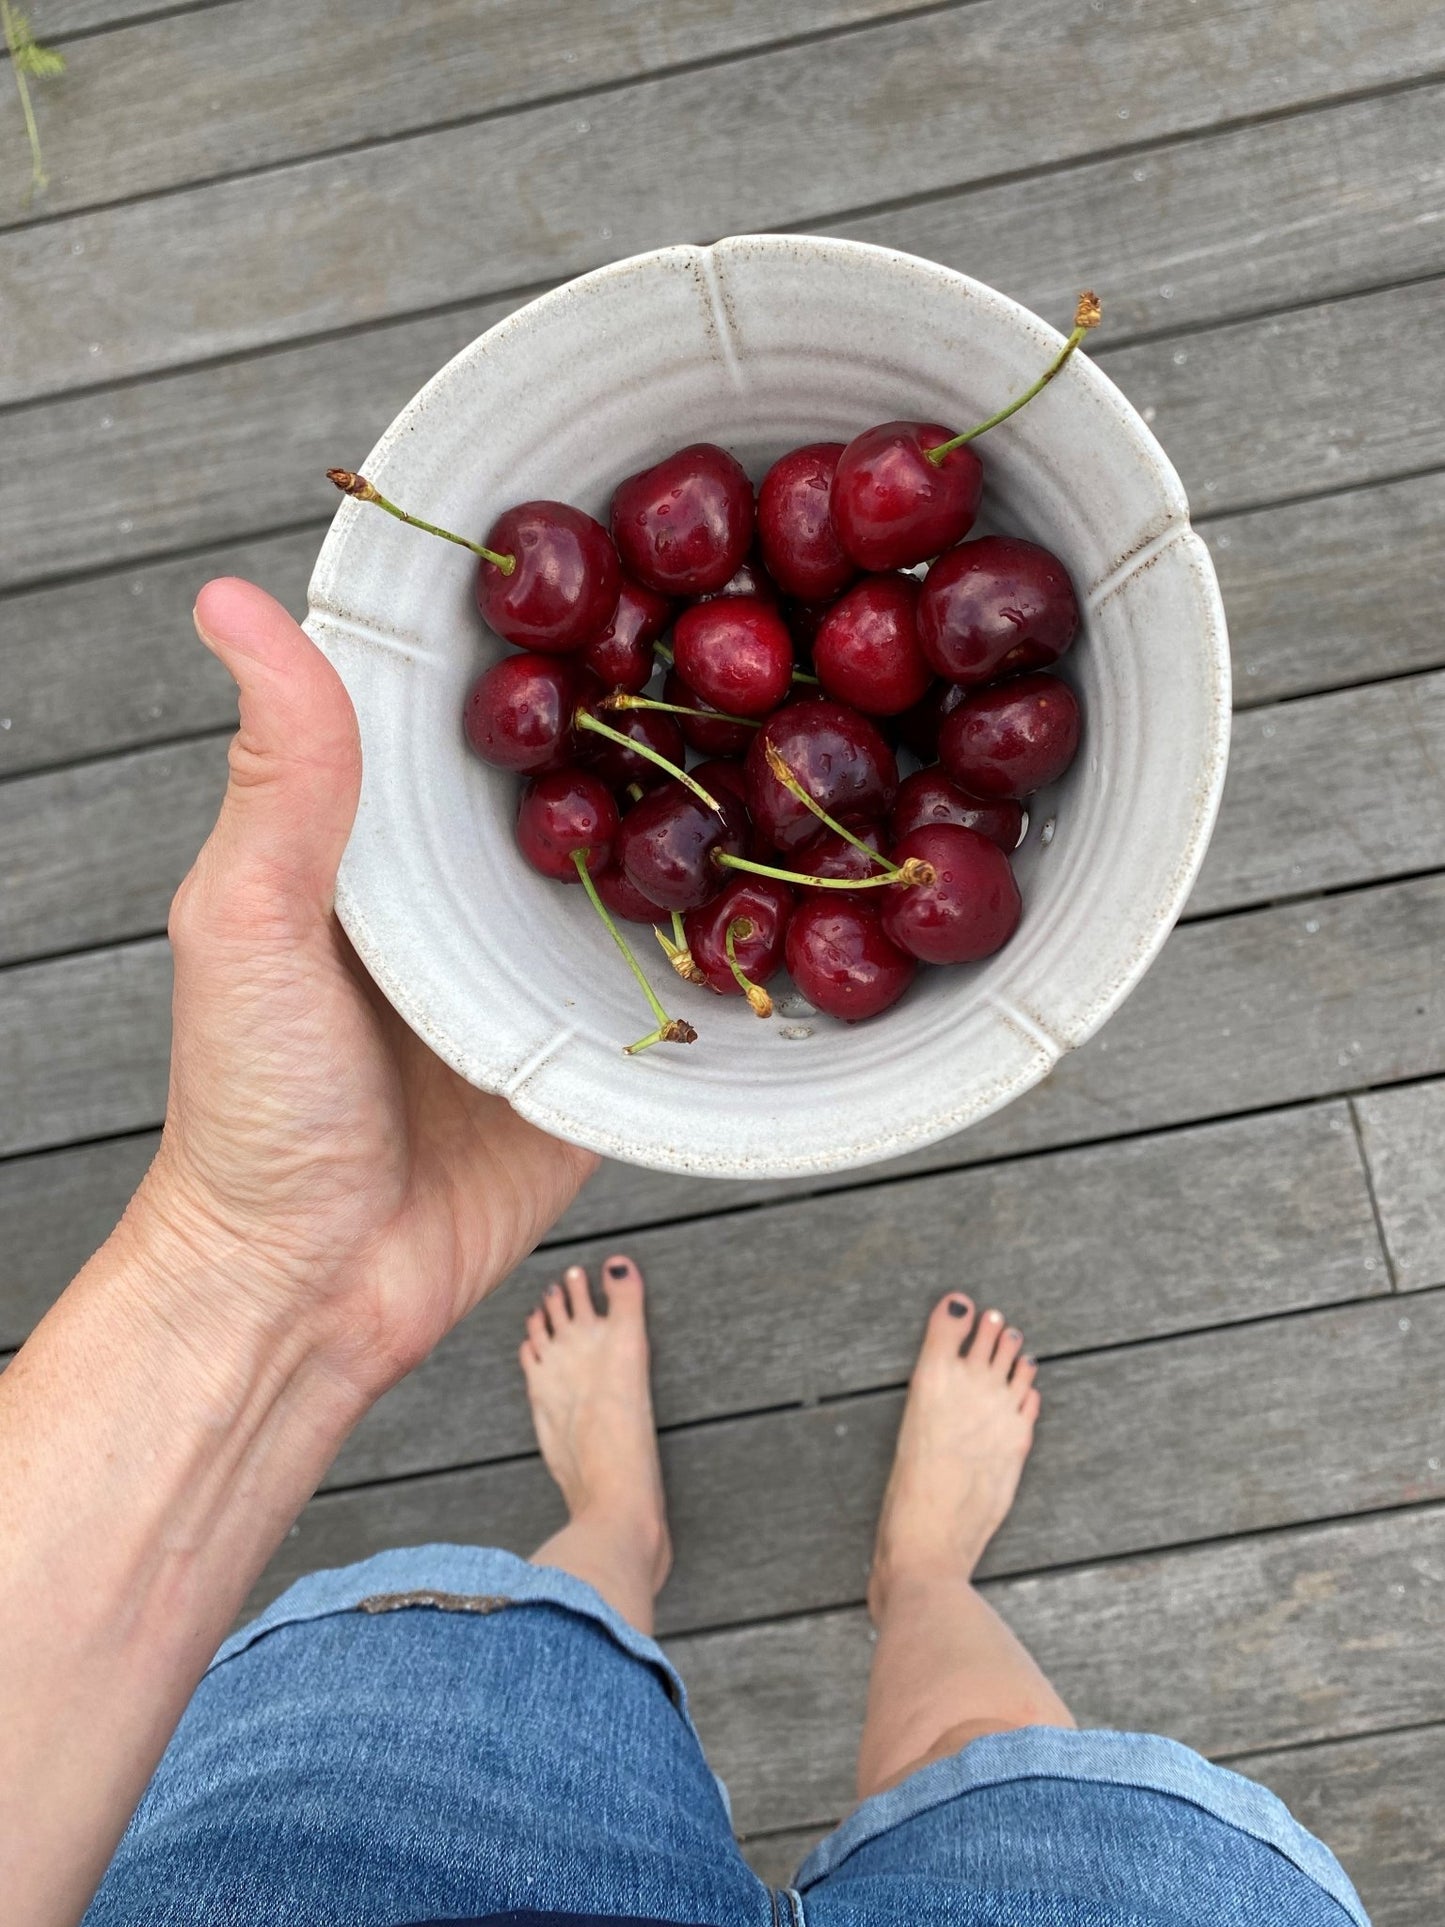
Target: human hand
(340, 1180)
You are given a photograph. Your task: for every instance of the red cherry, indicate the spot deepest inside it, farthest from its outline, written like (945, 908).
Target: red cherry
(666, 846)
(565, 583)
(749, 578)
(893, 507)
(621, 655)
(837, 755)
(684, 525)
(624, 899)
(928, 797)
(866, 652)
(971, 908)
(994, 607)
(795, 524)
(618, 766)
(721, 773)
(834, 856)
(841, 959)
(736, 652)
(1013, 738)
(708, 738)
(767, 905)
(566, 811)
(918, 727)
(519, 712)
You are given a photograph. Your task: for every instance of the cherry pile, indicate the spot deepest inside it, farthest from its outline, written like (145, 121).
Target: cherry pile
(808, 631)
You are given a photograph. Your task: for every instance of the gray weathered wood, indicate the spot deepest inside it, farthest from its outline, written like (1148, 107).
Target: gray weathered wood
(222, 89)
(1272, 1424)
(1315, 1633)
(86, 16)
(934, 102)
(1404, 1139)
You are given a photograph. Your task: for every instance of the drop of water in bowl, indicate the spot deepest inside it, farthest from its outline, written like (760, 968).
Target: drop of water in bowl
(1046, 834)
(795, 1033)
(792, 1003)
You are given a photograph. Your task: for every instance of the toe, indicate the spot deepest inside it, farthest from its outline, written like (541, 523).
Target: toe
(1029, 1410)
(985, 1339)
(1010, 1344)
(528, 1357)
(949, 1324)
(557, 1305)
(538, 1334)
(579, 1295)
(622, 1282)
(1023, 1377)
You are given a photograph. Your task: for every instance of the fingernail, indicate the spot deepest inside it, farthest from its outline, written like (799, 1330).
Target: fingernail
(618, 1269)
(958, 1308)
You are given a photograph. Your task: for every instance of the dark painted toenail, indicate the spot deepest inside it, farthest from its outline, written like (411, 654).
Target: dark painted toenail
(617, 1271)
(958, 1308)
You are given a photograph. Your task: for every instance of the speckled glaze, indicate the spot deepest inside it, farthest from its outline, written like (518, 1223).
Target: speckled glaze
(760, 343)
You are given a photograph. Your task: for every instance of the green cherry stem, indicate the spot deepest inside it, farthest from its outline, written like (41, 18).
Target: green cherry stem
(1086, 316)
(675, 949)
(670, 1030)
(584, 719)
(760, 1003)
(913, 871)
(360, 490)
(790, 783)
(801, 675)
(622, 700)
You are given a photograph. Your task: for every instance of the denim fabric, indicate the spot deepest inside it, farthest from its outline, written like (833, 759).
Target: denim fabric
(448, 1733)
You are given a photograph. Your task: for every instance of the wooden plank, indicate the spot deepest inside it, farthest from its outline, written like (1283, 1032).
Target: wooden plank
(1315, 1633)
(222, 89)
(935, 102)
(1376, 1800)
(1403, 1133)
(1334, 791)
(85, 16)
(1335, 590)
(1331, 1412)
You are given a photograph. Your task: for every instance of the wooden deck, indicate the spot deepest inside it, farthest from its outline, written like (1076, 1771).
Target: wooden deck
(1222, 1223)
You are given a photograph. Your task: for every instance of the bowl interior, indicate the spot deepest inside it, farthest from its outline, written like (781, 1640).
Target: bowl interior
(761, 343)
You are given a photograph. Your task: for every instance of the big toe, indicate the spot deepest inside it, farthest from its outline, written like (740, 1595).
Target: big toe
(949, 1324)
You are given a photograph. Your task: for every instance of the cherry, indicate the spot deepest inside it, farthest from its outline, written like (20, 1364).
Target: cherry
(842, 960)
(619, 766)
(795, 524)
(623, 898)
(928, 797)
(1013, 738)
(565, 811)
(666, 846)
(805, 619)
(866, 651)
(918, 727)
(684, 525)
(834, 856)
(892, 506)
(839, 758)
(996, 606)
(708, 738)
(621, 655)
(749, 578)
(519, 712)
(757, 901)
(971, 908)
(736, 653)
(721, 773)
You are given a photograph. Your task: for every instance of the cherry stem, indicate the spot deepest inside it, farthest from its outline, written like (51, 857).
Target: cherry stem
(791, 783)
(360, 490)
(915, 870)
(622, 700)
(585, 720)
(1086, 316)
(759, 1001)
(677, 953)
(670, 1030)
(679, 934)
(801, 675)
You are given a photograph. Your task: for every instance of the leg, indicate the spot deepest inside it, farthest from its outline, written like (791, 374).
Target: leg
(946, 1668)
(587, 1381)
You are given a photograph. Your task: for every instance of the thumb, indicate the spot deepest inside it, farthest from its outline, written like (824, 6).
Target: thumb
(295, 763)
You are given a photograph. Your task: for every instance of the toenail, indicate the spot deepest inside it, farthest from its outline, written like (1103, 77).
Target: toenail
(617, 1271)
(1011, 1333)
(996, 1317)
(958, 1308)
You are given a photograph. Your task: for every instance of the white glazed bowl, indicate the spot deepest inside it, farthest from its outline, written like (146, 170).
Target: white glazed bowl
(760, 343)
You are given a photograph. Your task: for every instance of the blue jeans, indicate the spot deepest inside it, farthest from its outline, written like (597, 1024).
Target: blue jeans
(447, 1733)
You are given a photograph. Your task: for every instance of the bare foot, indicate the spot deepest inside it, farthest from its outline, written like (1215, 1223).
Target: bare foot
(967, 1428)
(587, 1381)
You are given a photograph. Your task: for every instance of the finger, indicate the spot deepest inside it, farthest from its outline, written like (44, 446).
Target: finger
(295, 766)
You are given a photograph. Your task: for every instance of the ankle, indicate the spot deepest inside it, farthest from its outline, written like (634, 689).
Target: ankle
(917, 1579)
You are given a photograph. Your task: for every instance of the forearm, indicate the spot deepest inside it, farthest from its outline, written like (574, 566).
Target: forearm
(158, 1435)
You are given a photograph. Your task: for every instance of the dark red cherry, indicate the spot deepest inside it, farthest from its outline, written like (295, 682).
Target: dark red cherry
(721, 773)
(795, 524)
(621, 655)
(893, 507)
(667, 842)
(519, 712)
(565, 583)
(1013, 738)
(971, 908)
(708, 738)
(805, 619)
(749, 578)
(618, 766)
(842, 960)
(837, 755)
(684, 525)
(767, 905)
(994, 607)
(566, 811)
(918, 727)
(834, 856)
(736, 652)
(624, 899)
(928, 797)
(866, 650)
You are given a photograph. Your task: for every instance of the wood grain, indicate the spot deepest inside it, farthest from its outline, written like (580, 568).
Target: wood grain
(999, 86)
(1403, 1133)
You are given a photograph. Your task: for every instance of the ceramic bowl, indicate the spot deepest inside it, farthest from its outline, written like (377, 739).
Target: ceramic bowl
(759, 343)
